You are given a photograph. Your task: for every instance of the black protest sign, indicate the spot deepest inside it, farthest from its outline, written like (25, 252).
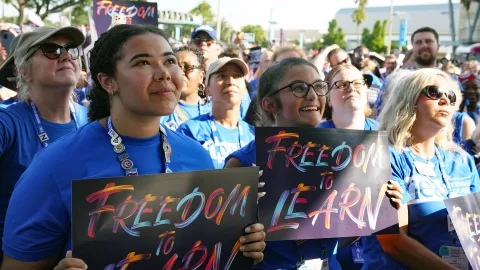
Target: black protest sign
(464, 213)
(324, 183)
(164, 221)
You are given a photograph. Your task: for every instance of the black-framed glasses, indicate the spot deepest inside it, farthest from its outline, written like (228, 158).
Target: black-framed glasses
(53, 51)
(300, 89)
(434, 92)
(342, 85)
(189, 68)
(198, 41)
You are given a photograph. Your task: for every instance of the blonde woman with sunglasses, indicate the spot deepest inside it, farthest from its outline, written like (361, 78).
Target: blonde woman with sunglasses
(429, 167)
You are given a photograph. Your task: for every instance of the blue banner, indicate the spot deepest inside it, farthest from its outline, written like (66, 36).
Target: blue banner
(402, 40)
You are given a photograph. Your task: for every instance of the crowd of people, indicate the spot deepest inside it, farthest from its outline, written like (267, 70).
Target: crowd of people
(195, 107)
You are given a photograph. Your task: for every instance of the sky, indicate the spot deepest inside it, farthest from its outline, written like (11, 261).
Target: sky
(288, 14)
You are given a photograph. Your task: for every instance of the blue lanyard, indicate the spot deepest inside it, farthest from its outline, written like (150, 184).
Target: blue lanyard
(216, 135)
(124, 158)
(42, 134)
(445, 177)
(177, 119)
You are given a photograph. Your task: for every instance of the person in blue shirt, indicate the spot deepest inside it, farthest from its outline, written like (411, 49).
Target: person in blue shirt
(48, 71)
(130, 94)
(471, 86)
(222, 132)
(347, 101)
(191, 105)
(286, 98)
(429, 167)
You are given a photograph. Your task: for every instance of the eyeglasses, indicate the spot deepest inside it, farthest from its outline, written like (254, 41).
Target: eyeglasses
(189, 68)
(198, 41)
(342, 85)
(300, 89)
(358, 55)
(53, 51)
(434, 92)
(344, 61)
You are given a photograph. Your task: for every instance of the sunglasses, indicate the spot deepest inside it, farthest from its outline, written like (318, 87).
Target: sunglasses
(53, 51)
(300, 89)
(198, 41)
(189, 68)
(342, 85)
(434, 92)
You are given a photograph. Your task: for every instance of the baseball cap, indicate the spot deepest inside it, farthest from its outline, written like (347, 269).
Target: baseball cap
(218, 64)
(22, 44)
(207, 29)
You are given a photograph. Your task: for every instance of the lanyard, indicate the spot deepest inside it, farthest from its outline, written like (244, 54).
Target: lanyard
(216, 135)
(124, 158)
(445, 177)
(42, 134)
(179, 121)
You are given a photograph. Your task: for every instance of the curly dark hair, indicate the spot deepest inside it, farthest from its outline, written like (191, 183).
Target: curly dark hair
(195, 51)
(103, 59)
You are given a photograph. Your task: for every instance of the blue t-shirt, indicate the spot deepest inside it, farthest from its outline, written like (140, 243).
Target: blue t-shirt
(246, 100)
(35, 233)
(8, 102)
(19, 143)
(370, 124)
(427, 215)
(173, 121)
(229, 140)
(286, 254)
(254, 85)
(474, 115)
(80, 94)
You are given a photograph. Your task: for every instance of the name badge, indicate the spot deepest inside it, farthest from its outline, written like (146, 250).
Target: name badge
(455, 256)
(425, 168)
(315, 264)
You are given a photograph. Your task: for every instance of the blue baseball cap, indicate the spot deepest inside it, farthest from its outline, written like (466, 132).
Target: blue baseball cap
(207, 29)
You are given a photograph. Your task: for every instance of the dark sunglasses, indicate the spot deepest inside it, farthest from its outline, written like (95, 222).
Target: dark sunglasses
(434, 92)
(53, 51)
(300, 89)
(198, 41)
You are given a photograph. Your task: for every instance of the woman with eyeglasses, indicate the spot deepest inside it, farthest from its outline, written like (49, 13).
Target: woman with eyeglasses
(429, 167)
(136, 80)
(191, 105)
(291, 93)
(47, 72)
(347, 100)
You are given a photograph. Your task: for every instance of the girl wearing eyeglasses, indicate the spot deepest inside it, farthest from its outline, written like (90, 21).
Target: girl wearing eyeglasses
(47, 72)
(347, 100)
(429, 167)
(191, 105)
(136, 81)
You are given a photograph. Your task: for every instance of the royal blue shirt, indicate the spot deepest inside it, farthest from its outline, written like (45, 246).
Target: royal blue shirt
(40, 227)
(218, 140)
(370, 124)
(19, 143)
(474, 115)
(8, 102)
(286, 254)
(427, 215)
(458, 119)
(173, 120)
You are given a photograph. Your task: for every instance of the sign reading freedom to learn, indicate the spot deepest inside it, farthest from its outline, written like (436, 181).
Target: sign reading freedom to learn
(135, 13)
(464, 212)
(165, 221)
(324, 183)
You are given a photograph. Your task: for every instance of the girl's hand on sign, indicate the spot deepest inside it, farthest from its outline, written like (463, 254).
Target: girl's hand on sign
(253, 243)
(394, 193)
(261, 184)
(71, 263)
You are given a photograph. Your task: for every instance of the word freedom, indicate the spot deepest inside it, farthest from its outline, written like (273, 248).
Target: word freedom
(129, 11)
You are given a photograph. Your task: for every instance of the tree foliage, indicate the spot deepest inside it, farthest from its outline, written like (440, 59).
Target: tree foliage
(259, 34)
(205, 10)
(359, 16)
(45, 7)
(335, 35)
(375, 40)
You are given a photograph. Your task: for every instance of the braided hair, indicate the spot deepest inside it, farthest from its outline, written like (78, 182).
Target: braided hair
(103, 59)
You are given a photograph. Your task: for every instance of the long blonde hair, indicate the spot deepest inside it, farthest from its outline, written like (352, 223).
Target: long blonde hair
(399, 113)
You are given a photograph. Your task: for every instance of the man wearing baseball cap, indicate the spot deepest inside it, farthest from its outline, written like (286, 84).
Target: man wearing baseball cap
(47, 70)
(204, 38)
(222, 131)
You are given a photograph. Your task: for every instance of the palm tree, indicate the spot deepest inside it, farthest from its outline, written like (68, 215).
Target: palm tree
(359, 15)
